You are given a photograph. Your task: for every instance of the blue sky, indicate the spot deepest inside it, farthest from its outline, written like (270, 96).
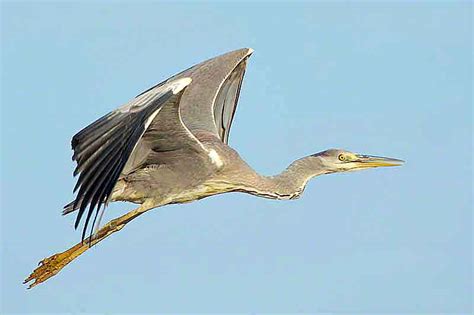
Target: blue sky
(391, 79)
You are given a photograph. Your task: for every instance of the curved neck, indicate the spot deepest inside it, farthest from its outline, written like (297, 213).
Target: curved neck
(290, 183)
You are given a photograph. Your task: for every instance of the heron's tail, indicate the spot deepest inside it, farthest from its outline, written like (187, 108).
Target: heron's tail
(70, 208)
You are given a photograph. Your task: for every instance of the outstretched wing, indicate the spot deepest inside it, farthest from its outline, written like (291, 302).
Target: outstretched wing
(105, 148)
(209, 104)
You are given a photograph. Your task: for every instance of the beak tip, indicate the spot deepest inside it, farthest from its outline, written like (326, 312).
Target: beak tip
(400, 162)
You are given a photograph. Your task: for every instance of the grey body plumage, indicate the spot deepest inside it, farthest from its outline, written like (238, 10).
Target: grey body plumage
(170, 145)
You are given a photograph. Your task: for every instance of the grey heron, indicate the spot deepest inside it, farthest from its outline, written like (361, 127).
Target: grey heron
(169, 145)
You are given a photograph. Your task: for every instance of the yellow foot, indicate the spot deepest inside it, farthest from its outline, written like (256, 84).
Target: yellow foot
(50, 266)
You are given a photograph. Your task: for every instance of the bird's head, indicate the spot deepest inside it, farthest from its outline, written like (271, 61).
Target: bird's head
(336, 160)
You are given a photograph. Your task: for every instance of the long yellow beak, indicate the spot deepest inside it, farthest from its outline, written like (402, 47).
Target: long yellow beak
(377, 161)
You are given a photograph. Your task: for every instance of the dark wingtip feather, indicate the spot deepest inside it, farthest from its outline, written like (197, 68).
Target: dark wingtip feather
(102, 150)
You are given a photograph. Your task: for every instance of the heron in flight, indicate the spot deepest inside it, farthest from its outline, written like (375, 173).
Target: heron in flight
(170, 145)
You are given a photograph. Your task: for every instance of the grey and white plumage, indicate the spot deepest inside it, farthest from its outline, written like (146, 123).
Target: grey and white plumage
(170, 145)
(150, 132)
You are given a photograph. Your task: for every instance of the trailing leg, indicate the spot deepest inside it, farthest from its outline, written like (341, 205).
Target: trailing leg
(52, 265)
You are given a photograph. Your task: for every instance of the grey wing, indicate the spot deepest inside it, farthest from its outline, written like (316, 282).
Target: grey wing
(209, 103)
(105, 148)
(166, 137)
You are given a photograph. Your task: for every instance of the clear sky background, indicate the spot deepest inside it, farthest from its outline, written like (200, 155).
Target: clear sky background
(391, 79)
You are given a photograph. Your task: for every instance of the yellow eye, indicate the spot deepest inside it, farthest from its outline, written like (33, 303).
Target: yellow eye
(341, 157)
